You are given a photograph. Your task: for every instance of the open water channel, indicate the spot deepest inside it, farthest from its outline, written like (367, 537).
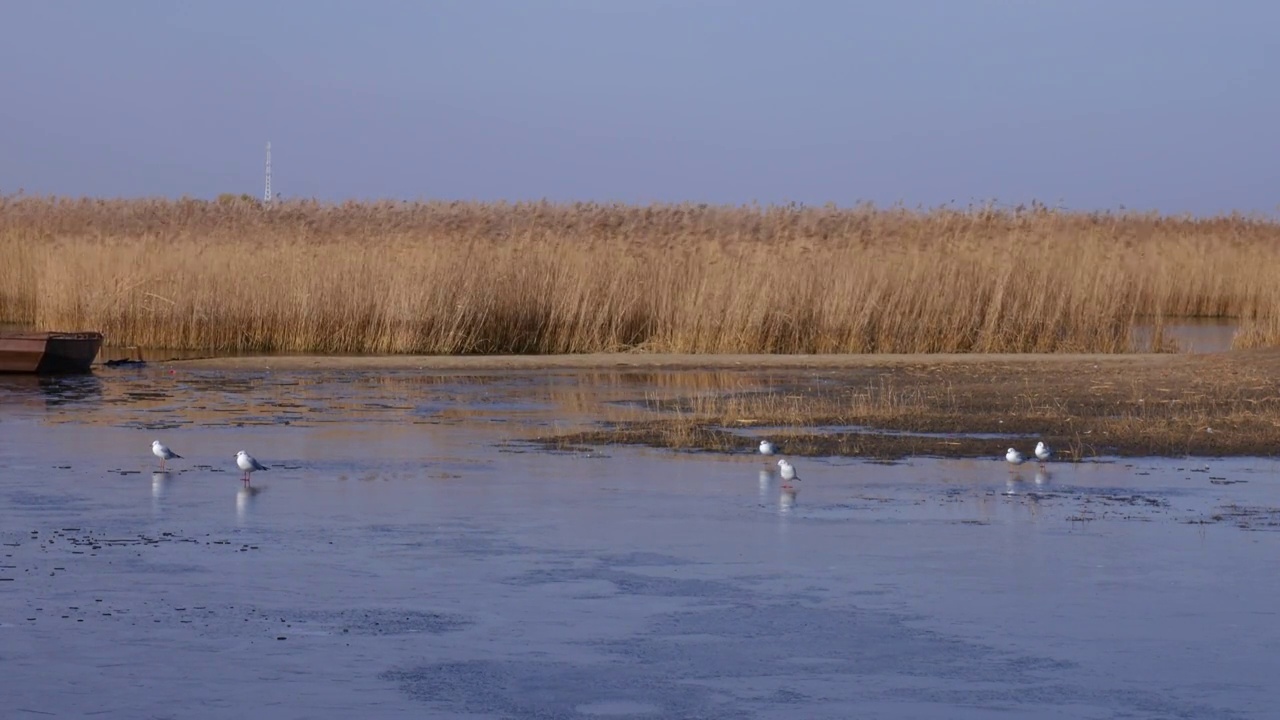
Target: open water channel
(407, 555)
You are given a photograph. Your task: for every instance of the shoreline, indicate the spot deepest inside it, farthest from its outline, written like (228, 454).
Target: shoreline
(644, 361)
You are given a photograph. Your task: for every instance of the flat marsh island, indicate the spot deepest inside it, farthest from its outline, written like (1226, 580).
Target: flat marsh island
(1041, 310)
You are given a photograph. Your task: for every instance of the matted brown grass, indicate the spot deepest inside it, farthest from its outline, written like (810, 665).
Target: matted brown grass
(451, 278)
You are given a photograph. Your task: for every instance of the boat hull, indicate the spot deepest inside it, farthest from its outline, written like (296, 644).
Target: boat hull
(49, 353)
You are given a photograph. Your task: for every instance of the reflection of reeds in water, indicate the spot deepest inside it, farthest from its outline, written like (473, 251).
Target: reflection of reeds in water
(541, 278)
(572, 400)
(879, 398)
(583, 398)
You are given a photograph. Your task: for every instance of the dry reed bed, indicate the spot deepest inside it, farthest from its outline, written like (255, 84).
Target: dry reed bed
(436, 278)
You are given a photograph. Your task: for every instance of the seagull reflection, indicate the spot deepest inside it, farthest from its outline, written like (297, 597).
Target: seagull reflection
(159, 484)
(787, 499)
(766, 476)
(1033, 504)
(244, 500)
(1043, 476)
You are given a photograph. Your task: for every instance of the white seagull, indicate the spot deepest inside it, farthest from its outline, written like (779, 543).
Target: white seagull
(246, 463)
(159, 450)
(1013, 456)
(788, 472)
(1043, 452)
(767, 448)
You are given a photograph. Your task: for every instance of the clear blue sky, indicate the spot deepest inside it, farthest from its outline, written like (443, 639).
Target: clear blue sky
(1156, 104)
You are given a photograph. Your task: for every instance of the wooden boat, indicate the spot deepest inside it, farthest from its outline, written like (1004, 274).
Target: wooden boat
(48, 353)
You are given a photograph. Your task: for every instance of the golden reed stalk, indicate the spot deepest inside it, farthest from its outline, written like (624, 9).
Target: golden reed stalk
(467, 277)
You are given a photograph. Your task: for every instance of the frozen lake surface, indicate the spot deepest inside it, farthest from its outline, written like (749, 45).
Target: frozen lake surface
(406, 556)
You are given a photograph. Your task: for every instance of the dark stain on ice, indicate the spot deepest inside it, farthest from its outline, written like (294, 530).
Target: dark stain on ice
(630, 583)
(378, 622)
(734, 661)
(541, 689)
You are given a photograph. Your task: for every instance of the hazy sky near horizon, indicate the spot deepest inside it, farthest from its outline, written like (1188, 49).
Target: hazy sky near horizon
(1154, 104)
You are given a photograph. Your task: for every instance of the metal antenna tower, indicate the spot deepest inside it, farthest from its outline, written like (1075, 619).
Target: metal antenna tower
(266, 194)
